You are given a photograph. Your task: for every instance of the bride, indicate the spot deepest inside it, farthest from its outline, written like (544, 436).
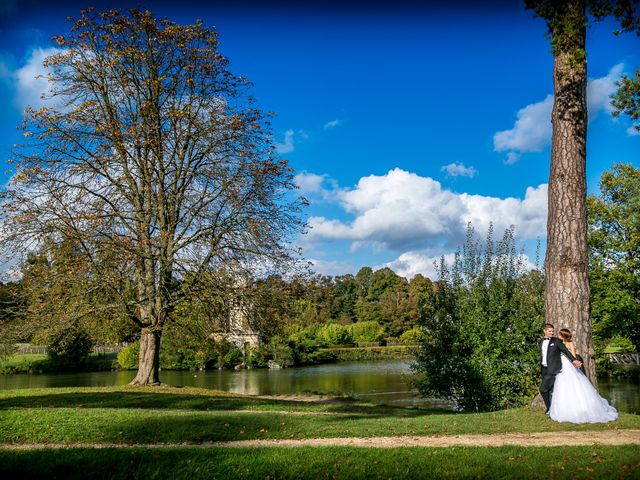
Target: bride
(574, 399)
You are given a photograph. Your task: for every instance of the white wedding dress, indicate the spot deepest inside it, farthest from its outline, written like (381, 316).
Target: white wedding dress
(575, 400)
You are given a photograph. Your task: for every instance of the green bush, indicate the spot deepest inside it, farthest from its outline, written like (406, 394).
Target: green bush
(482, 296)
(226, 355)
(101, 363)
(7, 350)
(233, 357)
(69, 348)
(299, 334)
(320, 356)
(306, 352)
(183, 350)
(334, 334)
(367, 332)
(412, 337)
(128, 356)
(280, 352)
(256, 357)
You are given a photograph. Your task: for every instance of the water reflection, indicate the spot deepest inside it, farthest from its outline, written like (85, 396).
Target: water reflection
(384, 382)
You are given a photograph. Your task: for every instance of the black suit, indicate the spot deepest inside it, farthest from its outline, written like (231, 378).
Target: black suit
(554, 366)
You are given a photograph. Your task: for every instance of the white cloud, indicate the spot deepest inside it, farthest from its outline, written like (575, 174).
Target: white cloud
(31, 79)
(332, 124)
(287, 146)
(402, 211)
(512, 157)
(599, 91)
(458, 169)
(409, 264)
(309, 182)
(532, 129)
(332, 267)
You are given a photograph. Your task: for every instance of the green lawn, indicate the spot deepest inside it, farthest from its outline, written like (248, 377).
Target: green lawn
(335, 463)
(134, 416)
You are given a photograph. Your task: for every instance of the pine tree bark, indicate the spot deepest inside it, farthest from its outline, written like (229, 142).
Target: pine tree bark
(566, 263)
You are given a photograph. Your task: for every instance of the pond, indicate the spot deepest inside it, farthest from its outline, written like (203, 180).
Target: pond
(381, 382)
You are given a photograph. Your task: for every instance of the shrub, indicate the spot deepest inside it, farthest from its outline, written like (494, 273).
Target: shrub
(182, 349)
(69, 348)
(334, 334)
(7, 350)
(367, 332)
(128, 356)
(256, 357)
(296, 333)
(232, 358)
(320, 356)
(306, 352)
(226, 355)
(483, 294)
(280, 352)
(412, 337)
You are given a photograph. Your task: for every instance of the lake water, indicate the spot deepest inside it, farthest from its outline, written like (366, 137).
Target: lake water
(381, 382)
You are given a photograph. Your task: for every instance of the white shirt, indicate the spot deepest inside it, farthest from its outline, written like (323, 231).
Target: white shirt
(545, 347)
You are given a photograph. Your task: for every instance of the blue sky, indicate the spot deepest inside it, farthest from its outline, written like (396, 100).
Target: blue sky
(402, 123)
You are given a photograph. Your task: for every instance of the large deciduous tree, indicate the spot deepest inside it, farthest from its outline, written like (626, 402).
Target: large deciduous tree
(566, 261)
(614, 242)
(154, 156)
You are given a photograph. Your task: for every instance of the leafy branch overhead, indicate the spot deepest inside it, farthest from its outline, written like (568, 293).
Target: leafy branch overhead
(626, 100)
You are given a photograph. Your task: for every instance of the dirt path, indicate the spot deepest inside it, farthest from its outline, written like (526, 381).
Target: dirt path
(539, 439)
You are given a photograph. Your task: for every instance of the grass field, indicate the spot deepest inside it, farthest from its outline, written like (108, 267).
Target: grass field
(35, 423)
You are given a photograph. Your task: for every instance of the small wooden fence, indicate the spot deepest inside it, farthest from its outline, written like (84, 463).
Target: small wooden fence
(624, 358)
(27, 348)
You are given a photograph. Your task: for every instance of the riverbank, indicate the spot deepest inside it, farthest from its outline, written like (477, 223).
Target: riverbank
(36, 363)
(23, 363)
(186, 433)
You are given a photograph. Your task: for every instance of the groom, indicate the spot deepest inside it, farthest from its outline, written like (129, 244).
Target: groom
(550, 348)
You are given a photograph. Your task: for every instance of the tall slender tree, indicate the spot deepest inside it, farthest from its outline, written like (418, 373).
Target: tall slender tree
(566, 261)
(155, 154)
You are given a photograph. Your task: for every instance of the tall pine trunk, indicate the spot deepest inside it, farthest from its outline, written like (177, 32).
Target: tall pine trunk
(566, 262)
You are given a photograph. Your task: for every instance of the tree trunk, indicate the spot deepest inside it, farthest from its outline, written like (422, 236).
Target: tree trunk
(566, 262)
(149, 358)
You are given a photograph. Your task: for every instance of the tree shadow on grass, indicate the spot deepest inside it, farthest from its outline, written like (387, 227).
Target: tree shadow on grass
(179, 401)
(501, 463)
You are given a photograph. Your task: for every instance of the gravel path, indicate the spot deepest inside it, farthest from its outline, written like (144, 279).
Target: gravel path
(539, 439)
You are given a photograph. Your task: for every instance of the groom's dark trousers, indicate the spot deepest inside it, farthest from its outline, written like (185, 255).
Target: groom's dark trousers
(554, 367)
